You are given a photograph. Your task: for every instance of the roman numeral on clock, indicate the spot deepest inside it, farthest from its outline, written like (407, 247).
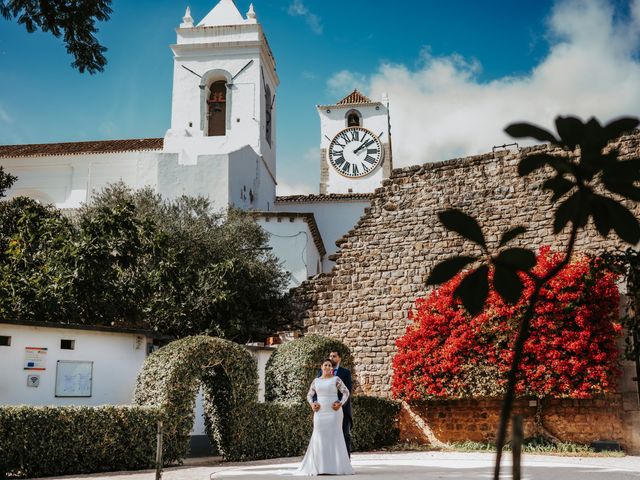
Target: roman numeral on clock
(370, 159)
(345, 167)
(339, 161)
(354, 169)
(372, 151)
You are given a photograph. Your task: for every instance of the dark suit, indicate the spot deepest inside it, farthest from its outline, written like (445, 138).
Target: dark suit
(347, 420)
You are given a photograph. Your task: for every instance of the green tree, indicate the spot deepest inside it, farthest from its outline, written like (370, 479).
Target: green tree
(199, 271)
(36, 249)
(6, 181)
(588, 181)
(74, 21)
(131, 258)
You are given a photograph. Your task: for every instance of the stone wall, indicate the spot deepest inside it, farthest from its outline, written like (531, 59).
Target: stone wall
(577, 421)
(384, 261)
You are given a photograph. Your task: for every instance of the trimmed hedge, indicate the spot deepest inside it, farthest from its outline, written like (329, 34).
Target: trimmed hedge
(374, 422)
(171, 378)
(276, 430)
(40, 441)
(45, 441)
(294, 365)
(284, 429)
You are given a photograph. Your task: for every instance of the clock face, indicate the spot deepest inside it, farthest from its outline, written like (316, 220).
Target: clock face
(355, 152)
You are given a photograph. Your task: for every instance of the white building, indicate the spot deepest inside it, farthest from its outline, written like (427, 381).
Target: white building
(221, 145)
(57, 364)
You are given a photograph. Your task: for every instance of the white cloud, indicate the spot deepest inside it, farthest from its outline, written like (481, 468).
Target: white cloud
(308, 75)
(304, 179)
(440, 109)
(5, 117)
(295, 188)
(298, 9)
(344, 82)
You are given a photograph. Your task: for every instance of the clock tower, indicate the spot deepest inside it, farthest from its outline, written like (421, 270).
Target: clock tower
(355, 145)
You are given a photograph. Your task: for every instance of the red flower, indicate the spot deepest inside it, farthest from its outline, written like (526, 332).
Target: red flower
(571, 352)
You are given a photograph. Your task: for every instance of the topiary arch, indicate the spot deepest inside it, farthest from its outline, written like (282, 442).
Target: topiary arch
(240, 426)
(294, 365)
(172, 376)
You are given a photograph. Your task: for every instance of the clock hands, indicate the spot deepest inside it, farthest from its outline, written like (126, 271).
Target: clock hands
(364, 145)
(345, 152)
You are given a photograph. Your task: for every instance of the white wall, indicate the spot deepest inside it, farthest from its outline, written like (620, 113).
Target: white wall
(248, 173)
(117, 358)
(334, 219)
(293, 244)
(67, 181)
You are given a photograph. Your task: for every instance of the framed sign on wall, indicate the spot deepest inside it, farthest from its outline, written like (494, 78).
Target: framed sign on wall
(74, 378)
(35, 358)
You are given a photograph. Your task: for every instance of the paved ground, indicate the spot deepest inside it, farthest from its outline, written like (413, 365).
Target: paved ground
(403, 466)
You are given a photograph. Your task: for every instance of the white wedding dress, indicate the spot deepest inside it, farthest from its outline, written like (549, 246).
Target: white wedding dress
(327, 452)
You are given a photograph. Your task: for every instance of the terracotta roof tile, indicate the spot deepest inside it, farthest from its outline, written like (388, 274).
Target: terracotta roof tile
(326, 197)
(355, 98)
(76, 148)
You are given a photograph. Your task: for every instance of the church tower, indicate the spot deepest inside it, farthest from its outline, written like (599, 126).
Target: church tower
(224, 85)
(355, 144)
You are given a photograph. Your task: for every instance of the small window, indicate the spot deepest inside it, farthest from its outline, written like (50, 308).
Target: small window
(5, 341)
(67, 344)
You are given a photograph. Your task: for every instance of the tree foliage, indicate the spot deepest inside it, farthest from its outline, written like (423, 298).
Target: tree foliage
(6, 181)
(74, 21)
(132, 259)
(572, 350)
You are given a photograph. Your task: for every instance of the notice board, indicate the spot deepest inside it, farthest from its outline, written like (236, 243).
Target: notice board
(74, 378)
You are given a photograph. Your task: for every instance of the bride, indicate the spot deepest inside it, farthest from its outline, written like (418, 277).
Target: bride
(327, 451)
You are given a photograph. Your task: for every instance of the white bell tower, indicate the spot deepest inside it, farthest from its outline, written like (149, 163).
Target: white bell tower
(224, 85)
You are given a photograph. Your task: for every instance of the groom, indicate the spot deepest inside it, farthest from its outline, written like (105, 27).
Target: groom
(345, 375)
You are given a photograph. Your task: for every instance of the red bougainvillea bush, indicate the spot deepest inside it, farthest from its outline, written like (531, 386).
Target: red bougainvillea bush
(572, 350)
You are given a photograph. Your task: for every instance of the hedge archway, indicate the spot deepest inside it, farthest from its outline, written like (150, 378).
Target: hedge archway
(172, 376)
(294, 365)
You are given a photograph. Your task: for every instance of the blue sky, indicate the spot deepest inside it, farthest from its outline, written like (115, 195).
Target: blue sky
(456, 72)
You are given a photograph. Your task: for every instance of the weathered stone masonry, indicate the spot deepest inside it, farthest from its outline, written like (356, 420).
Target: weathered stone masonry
(383, 263)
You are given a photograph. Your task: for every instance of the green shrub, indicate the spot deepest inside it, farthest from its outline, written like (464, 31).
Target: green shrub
(274, 430)
(172, 376)
(284, 429)
(294, 365)
(43, 441)
(374, 422)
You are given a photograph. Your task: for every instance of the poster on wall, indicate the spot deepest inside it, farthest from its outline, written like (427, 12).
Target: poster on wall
(35, 358)
(73, 378)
